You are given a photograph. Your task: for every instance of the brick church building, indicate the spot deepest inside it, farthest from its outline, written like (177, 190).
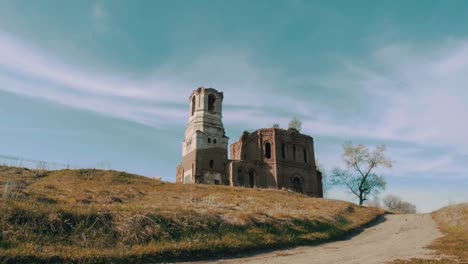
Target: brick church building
(266, 158)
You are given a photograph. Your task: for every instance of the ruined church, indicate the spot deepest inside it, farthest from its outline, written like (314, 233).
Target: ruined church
(266, 158)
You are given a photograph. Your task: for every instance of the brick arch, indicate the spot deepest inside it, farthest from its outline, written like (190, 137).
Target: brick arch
(268, 146)
(211, 102)
(297, 183)
(252, 177)
(194, 100)
(240, 176)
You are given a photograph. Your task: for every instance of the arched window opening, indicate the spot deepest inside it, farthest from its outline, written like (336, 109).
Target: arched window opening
(215, 141)
(193, 105)
(268, 150)
(251, 178)
(294, 152)
(240, 177)
(211, 102)
(283, 151)
(211, 164)
(297, 184)
(209, 140)
(305, 155)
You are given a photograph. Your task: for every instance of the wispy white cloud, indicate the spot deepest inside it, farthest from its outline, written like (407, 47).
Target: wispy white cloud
(41, 74)
(27, 71)
(421, 163)
(410, 97)
(422, 99)
(17, 57)
(153, 115)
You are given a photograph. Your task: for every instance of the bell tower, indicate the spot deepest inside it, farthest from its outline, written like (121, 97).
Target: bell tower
(204, 148)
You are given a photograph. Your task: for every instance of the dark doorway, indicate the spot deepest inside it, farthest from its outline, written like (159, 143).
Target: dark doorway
(297, 184)
(240, 177)
(251, 179)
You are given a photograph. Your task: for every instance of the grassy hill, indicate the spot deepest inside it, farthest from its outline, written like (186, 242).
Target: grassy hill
(94, 216)
(453, 221)
(453, 246)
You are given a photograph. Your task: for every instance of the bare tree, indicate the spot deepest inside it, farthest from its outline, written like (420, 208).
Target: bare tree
(396, 204)
(358, 176)
(391, 201)
(295, 123)
(375, 202)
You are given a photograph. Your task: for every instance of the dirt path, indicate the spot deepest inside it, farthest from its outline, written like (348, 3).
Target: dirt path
(399, 236)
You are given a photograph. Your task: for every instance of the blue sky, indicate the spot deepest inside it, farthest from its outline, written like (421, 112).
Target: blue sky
(107, 82)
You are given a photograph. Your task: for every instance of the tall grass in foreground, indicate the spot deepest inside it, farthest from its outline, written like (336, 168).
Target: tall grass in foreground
(92, 216)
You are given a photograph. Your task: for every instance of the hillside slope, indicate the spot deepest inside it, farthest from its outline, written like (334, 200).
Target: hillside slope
(453, 221)
(453, 246)
(94, 216)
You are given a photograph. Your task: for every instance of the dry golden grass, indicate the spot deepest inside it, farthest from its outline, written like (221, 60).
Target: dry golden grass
(94, 216)
(453, 246)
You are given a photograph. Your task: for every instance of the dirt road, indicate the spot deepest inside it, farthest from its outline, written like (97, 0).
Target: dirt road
(399, 236)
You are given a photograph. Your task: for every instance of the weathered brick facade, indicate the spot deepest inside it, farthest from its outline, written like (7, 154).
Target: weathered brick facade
(267, 158)
(275, 158)
(204, 149)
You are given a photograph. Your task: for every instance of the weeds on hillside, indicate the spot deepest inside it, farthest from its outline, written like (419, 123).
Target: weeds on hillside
(453, 246)
(129, 218)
